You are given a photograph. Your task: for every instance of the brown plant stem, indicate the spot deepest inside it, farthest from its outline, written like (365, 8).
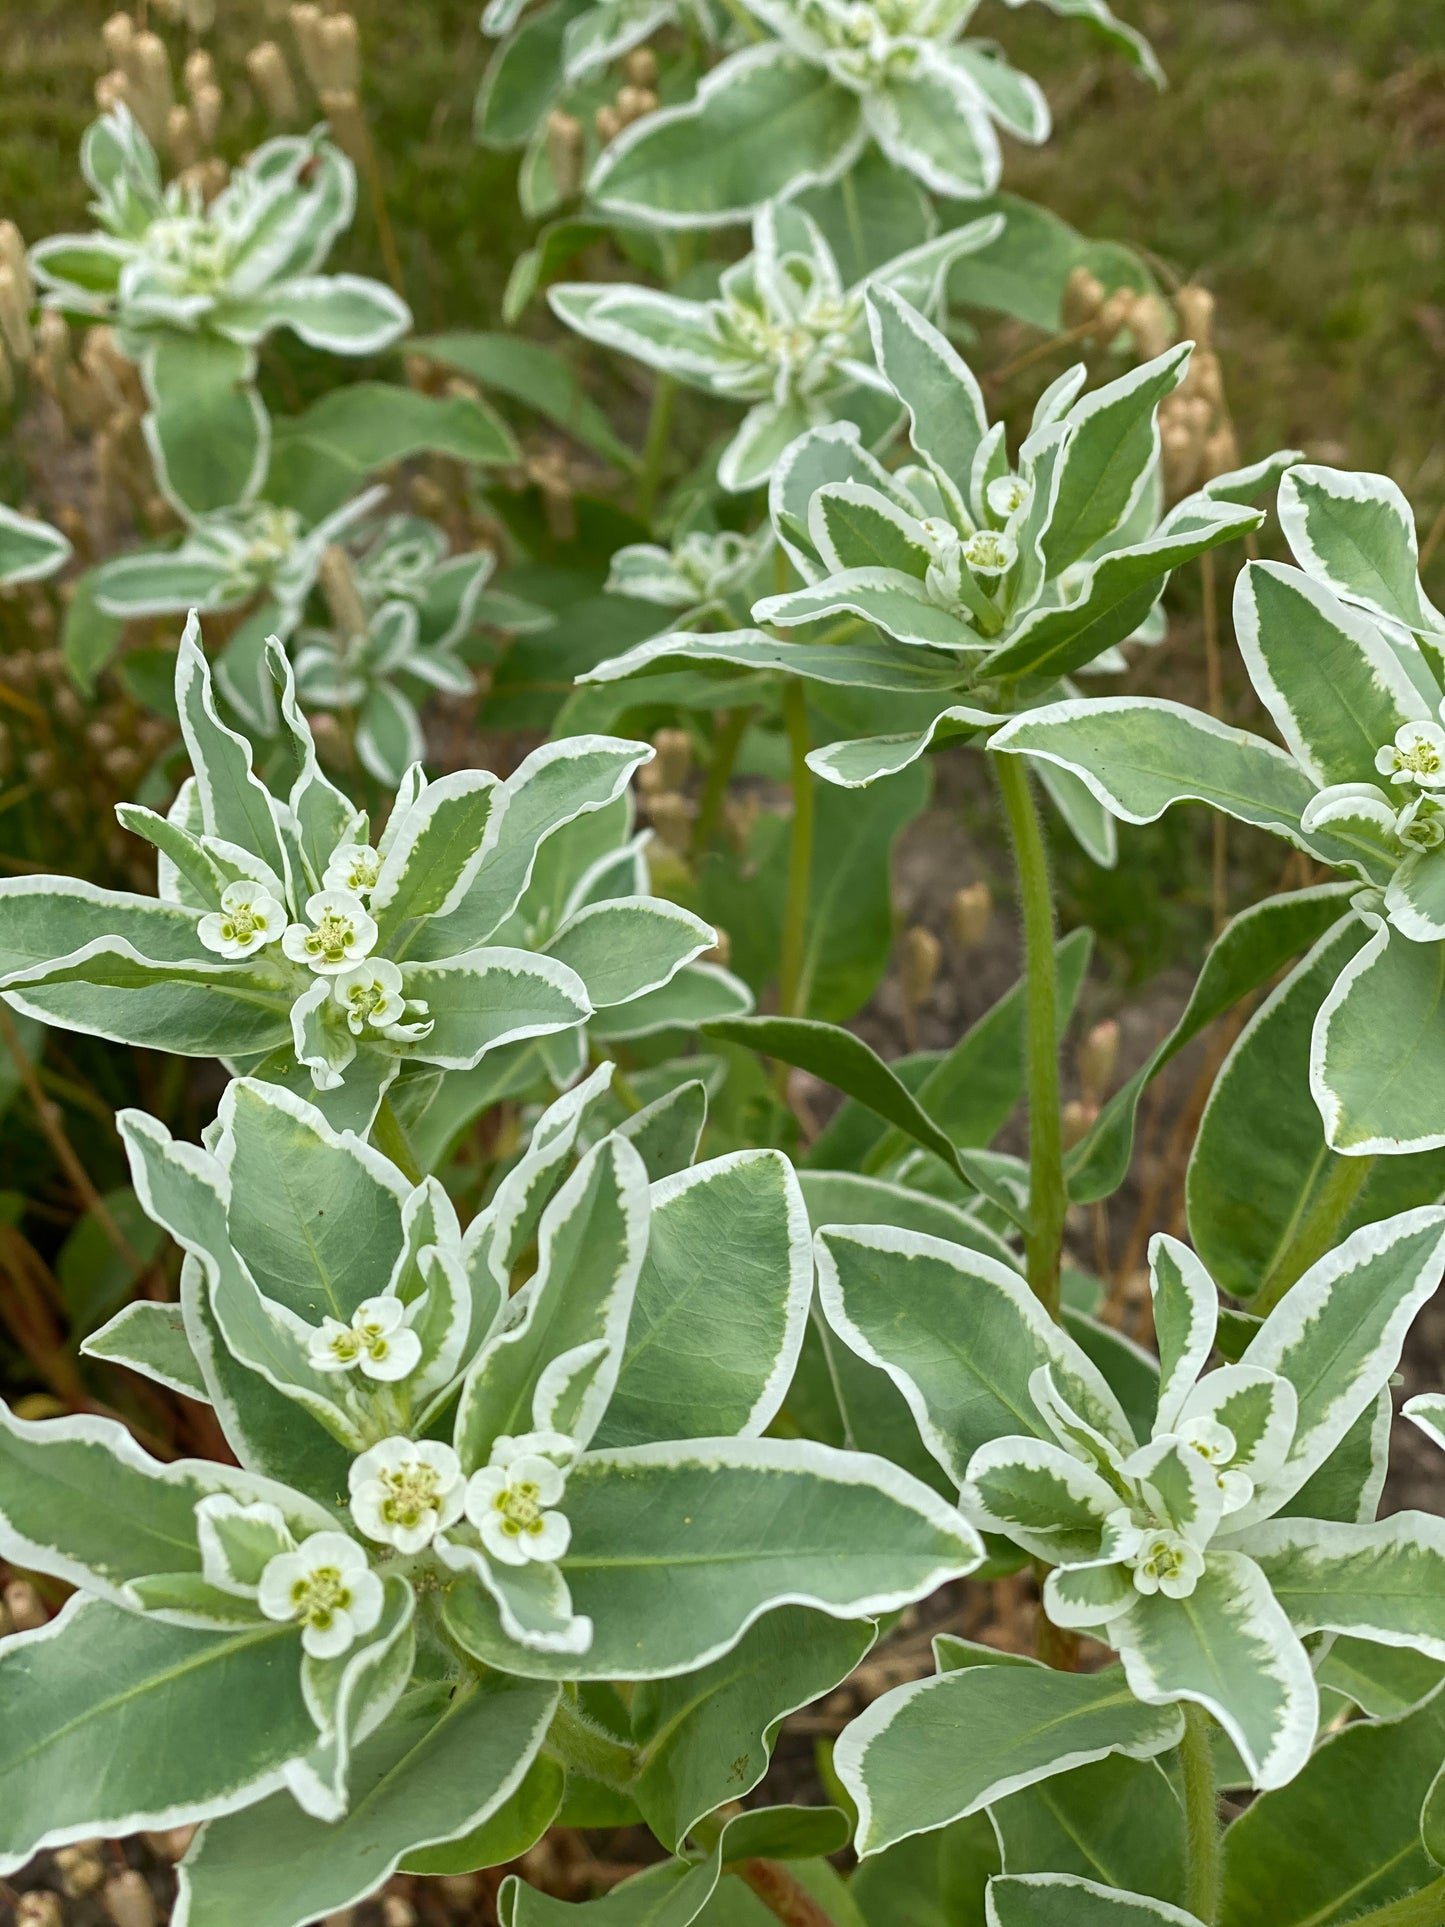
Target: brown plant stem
(782, 1893)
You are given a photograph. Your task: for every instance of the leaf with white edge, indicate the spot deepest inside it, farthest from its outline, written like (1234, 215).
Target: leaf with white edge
(553, 786)
(1140, 754)
(515, 1826)
(856, 763)
(315, 1214)
(959, 1334)
(896, 602)
(498, 1236)
(1338, 1335)
(1380, 1680)
(208, 431)
(1336, 689)
(234, 803)
(590, 1247)
(1383, 1581)
(349, 1698)
(151, 1339)
(934, 124)
(1349, 1484)
(765, 431)
(29, 550)
(666, 1133)
(441, 843)
(1343, 1838)
(830, 453)
(1061, 1900)
(1250, 949)
(1229, 1647)
(854, 527)
(434, 1771)
(1118, 1821)
(1186, 1311)
(696, 995)
(1356, 534)
(319, 457)
(52, 917)
(928, 1880)
(863, 665)
(1111, 442)
(706, 1738)
(86, 1697)
(627, 946)
(946, 412)
(1041, 1496)
(762, 125)
(721, 1301)
(1427, 1411)
(1377, 1066)
(845, 1198)
(937, 1749)
(488, 997)
(678, 1549)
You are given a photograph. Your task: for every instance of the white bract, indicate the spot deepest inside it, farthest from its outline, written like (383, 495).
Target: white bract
(337, 933)
(370, 995)
(377, 1340)
(327, 1585)
(250, 917)
(405, 1491)
(510, 1500)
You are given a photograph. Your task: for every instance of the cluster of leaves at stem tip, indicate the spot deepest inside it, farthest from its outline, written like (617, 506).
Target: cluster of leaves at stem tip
(564, 1508)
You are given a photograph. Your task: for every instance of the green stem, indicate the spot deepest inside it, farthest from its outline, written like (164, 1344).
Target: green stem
(1423, 1908)
(726, 745)
(654, 451)
(390, 1138)
(1317, 1234)
(578, 1744)
(1201, 1816)
(800, 849)
(1048, 1198)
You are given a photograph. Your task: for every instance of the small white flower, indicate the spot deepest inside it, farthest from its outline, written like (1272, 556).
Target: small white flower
(249, 918)
(354, 867)
(1417, 755)
(340, 933)
(370, 994)
(1007, 495)
(1421, 824)
(405, 1491)
(508, 1500)
(1217, 1446)
(327, 1584)
(992, 552)
(378, 1341)
(1166, 1562)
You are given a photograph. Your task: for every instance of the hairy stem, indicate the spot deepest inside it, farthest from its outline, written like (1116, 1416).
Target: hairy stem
(389, 1136)
(1317, 1234)
(1048, 1199)
(726, 744)
(654, 451)
(1201, 1816)
(586, 1748)
(1423, 1908)
(800, 849)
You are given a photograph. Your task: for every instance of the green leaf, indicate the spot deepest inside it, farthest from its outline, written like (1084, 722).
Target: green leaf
(1335, 688)
(1260, 1161)
(938, 1749)
(438, 848)
(706, 1738)
(151, 1339)
(1060, 1900)
(849, 665)
(192, 1010)
(1250, 949)
(1381, 1680)
(111, 1722)
(323, 455)
(208, 431)
(234, 803)
(712, 1344)
(485, 998)
(88, 636)
(946, 412)
(1383, 1581)
(438, 1767)
(896, 602)
(535, 376)
(1118, 1821)
(1377, 1069)
(930, 1879)
(698, 994)
(1229, 1647)
(1343, 1838)
(677, 1549)
(854, 527)
(507, 1835)
(959, 1334)
(1356, 534)
(761, 126)
(627, 946)
(1111, 442)
(524, 74)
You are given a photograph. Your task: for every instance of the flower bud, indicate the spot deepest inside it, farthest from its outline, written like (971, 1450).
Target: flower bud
(920, 956)
(116, 36)
(640, 67)
(1083, 298)
(1098, 1059)
(80, 1867)
(566, 151)
(271, 77)
(969, 915)
(23, 1603)
(128, 1899)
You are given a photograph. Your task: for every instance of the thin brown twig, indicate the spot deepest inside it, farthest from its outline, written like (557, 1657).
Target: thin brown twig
(1040, 351)
(782, 1893)
(1432, 540)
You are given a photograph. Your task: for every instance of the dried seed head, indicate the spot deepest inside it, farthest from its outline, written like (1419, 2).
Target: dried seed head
(671, 819)
(1116, 313)
(340, 45)
(1220, 453)
(969, 915)
(52, 347)
(15, 314)
(200, 15)
(397, 1911)
(1083, 298)
(1098, 1060)
(183, 137)
(347, 124)
(640, 67)
(199, 71)
(460, 1888)
(305, 24)
(39, 1908)
(428, 498)
(80, 1867)
(1195, 308)
(271, 77)
(338, 585)
(608, 123)
(112, 90)
(206, 107)
(1204, 378)
(634, 102)
(116, 35)
(566, 151)
(147, 67)
(7, 377)
(1076, 1120)
(673, 760)
(23, 1603)
(739, 815)
(1179, 451)
(921, 955)
(1151, 327)
(128, 1899)
(170, 1843)
(12, 256)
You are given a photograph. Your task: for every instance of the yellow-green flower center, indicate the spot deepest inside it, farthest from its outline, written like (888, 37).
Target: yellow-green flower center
(319, 1596)
(521, 1508)
(412, 1492)
(332, 937)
